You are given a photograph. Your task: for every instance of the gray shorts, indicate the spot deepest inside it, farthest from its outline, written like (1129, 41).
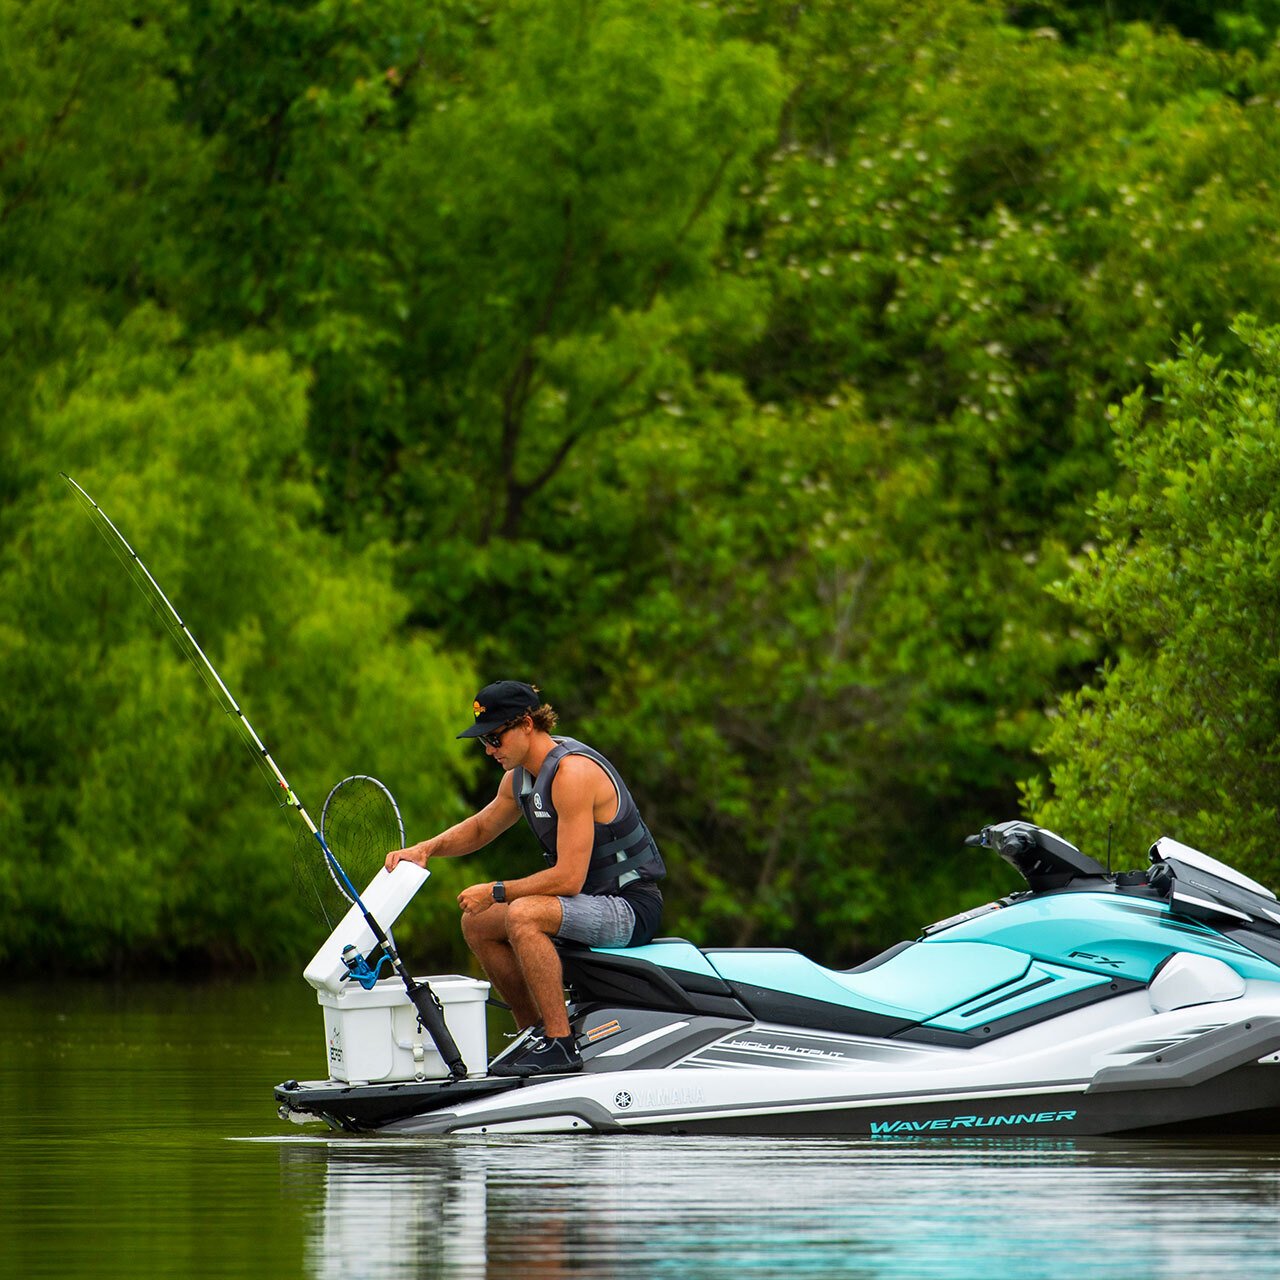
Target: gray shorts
(596, 919)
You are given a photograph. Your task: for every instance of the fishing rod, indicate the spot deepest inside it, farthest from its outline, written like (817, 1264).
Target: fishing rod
(425, 1000)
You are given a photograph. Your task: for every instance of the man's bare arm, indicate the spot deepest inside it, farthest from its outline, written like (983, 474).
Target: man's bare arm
(468, 835)
(573, 794)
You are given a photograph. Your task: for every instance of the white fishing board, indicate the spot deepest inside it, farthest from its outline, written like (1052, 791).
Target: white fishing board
(386, 896)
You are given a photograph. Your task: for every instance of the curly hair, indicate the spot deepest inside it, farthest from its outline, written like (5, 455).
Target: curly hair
(544, 718)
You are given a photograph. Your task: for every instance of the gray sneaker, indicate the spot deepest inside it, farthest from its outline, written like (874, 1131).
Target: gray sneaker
(543, 1056)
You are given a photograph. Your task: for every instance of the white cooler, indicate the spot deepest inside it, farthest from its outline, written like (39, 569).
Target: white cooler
(373, 1036)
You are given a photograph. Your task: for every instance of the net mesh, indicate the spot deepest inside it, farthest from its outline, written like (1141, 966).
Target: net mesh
(361, 824)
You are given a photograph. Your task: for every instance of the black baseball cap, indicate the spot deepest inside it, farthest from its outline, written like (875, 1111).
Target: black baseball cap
(498, 704)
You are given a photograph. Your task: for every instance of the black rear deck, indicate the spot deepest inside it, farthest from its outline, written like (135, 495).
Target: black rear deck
(368, 1106)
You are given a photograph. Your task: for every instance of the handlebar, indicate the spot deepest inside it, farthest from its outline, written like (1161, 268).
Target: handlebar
(1044, 860)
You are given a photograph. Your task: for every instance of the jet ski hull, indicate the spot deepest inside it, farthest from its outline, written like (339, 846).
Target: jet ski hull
(1043, 1115)
(674, 1106)
(1114, 1074)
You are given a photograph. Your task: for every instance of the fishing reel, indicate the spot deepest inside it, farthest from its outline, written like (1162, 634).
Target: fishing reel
(358, 968)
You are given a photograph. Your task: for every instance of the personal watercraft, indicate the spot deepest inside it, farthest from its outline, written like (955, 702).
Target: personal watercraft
(1088, 1003)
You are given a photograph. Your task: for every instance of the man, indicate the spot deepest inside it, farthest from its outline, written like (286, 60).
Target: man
(600, 883)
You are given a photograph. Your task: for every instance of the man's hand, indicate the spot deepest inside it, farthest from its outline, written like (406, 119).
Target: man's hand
(414, 853)
(476, 898)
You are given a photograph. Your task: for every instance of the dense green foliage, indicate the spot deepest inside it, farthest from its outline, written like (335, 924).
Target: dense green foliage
(1181, 736)
(736, 373)
(133, 820)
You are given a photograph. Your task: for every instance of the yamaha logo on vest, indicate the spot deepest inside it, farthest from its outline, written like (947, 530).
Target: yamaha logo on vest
(537, 804)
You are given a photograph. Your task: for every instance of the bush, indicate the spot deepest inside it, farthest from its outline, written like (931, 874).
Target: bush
(1180, 733)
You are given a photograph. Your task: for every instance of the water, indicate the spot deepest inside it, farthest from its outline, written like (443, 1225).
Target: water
(140, 1139)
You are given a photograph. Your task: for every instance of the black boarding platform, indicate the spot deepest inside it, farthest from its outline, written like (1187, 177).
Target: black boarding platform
(367, 1106)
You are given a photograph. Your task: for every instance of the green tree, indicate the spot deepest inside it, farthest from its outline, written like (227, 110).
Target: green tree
(736, 372)
(557, 222)
(965, 240)
(1248, 24)
(1180, 734)
(988, 234)
(133, 826)
(92, 167)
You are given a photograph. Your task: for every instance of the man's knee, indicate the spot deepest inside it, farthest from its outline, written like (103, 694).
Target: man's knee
(537, 914)
(484, 926)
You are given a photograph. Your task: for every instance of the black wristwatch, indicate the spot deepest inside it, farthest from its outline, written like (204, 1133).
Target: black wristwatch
(499, 891)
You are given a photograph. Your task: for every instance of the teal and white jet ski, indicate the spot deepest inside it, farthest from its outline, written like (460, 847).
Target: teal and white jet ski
(1089, 1003)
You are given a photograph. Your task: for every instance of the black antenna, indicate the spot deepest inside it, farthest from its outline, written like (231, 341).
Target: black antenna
(1108, 848)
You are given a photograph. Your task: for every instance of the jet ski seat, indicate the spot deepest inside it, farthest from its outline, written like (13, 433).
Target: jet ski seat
(667, 973)
(907, 985)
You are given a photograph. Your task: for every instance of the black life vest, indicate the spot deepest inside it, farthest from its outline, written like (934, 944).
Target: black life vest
(622, 852)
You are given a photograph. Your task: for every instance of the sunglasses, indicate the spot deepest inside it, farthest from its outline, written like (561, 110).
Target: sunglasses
(495, 739)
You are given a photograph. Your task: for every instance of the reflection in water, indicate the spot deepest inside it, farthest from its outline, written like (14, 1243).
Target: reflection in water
(385, 1218)
(639, 1206)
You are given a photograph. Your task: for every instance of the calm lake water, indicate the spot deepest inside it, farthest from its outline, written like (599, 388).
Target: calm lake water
(140, 1139)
